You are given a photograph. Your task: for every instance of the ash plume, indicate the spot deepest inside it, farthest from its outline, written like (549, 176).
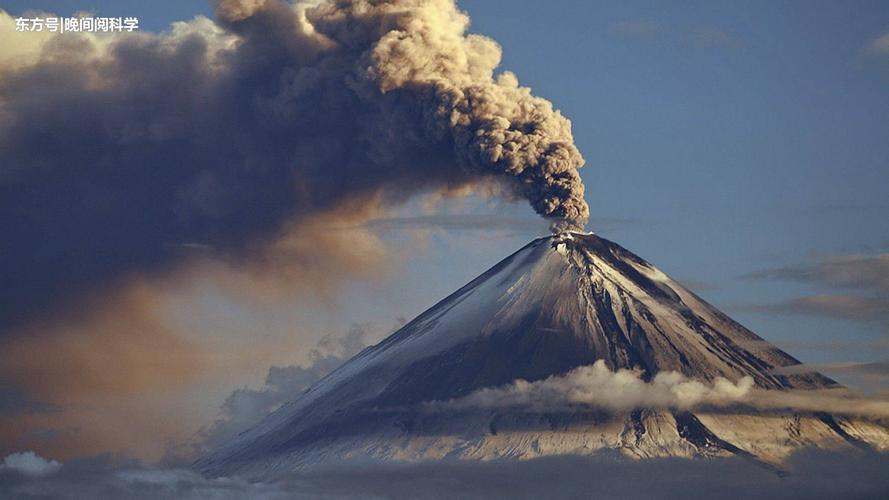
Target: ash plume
(118, 150)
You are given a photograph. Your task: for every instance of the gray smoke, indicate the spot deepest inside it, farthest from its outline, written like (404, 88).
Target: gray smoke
(117, 151)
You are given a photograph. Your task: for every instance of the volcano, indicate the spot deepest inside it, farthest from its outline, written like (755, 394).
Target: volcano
(560, 303)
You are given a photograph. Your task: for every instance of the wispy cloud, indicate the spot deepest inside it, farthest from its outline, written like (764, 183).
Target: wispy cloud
(859, 291)
(698, 285)
(710, 36)
(874, 368)
(832, 346)
(848, 307)
(461, 222)
(868, 272)
(871, 377)
(879, 45)
(483, 222)
(701, 36)
(866, 276)
(639, 27)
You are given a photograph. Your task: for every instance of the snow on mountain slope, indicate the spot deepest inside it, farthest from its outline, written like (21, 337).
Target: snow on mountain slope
(559, 303)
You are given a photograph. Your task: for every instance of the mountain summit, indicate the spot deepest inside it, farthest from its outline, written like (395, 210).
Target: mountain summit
(563, 303)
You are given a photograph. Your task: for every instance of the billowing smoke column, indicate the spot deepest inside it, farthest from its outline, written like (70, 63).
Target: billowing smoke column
(494, 126)
(434, 89)
(116, 151)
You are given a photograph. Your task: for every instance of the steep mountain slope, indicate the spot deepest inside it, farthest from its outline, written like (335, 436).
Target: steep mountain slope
(559, 303)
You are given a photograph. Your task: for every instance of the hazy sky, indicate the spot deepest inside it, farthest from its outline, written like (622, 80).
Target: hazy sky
(742, 147)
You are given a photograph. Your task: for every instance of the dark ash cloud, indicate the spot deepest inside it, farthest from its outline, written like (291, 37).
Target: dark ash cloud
(812, 475)
(117, 151)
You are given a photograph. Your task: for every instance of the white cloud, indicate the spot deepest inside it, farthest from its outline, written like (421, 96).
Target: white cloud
(30, 464)
(597, 386)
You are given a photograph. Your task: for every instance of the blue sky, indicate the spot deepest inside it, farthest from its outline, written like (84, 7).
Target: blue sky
(721, 138)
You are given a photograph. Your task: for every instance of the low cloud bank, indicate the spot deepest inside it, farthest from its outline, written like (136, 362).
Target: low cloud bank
(596, 385)
(812, 475)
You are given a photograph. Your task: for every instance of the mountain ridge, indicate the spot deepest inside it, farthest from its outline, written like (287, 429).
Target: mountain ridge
(559, 303)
